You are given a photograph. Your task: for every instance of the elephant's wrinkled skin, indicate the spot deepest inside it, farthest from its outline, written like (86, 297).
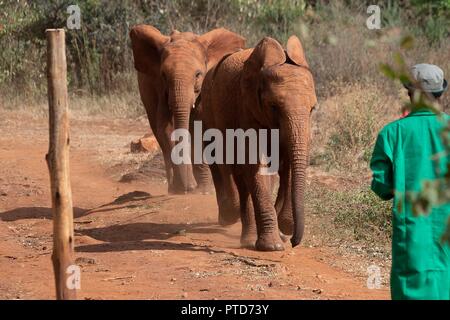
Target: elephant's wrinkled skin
(263, 88)
(171, 70)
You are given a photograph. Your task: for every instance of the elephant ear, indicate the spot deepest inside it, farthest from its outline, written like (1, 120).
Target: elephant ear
(147, 42)
(267, 53)
(295, 52)
(220, 42)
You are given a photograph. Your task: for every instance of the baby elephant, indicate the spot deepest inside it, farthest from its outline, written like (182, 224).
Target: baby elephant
(262, 88)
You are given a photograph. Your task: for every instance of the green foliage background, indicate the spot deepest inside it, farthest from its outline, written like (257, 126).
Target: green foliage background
(99, 53)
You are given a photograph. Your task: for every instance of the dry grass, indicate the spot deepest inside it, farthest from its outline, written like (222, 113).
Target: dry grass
(346, 126)
(121, 105)
(125, 105)
(354, 222)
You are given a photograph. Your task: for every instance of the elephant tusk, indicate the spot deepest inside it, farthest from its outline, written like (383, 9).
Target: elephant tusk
(193, 106)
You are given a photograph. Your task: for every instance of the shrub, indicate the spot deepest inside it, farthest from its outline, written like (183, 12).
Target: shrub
(364, 213)
(351, 214)
(433, 19)
(347, 124)
(277, 18)
(341, 51)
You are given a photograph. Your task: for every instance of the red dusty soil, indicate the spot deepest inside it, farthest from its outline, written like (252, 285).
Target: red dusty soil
(133, 241)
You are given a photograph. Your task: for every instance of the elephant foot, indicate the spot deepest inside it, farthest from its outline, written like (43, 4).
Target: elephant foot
(285, 224)
(227, 221)
(269, 242)
(229, 213)
(203, 189)
(284, 237)
(248, 239)
(177, 190)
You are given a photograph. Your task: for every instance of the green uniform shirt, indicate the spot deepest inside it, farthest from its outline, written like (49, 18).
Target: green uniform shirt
(405, 156)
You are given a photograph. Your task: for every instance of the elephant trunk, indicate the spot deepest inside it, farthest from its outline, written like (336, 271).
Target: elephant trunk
(180, 101)
(298, 146)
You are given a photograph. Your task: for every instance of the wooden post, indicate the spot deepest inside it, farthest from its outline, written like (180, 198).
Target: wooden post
(58, 163)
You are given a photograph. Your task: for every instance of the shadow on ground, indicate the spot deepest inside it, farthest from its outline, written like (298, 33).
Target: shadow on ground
(46, 213)
(144, 245)
(144, 235)
(149, 231)
(36, 213)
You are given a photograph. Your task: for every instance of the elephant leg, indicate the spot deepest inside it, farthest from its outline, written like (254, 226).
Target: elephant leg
(165, 129)
(201, 171)
(162, 132)
(249, 233)
(265, 214)
(227, 197)
(177, 185)
(217, 180)
(159, 119)
(202, 176)
(165, 149)
(222, 196)
(160, 125)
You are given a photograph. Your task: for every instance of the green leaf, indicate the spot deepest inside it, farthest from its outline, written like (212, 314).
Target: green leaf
(405, 79)
(407, 43)
(398, 58)
(388, 71)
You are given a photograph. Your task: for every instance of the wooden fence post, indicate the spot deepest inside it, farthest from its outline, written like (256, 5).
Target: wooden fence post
(58, 163)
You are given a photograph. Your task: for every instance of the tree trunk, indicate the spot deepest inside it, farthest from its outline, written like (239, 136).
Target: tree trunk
(58, 164)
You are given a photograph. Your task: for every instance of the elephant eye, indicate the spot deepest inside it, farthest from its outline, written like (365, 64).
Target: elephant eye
(198, 74)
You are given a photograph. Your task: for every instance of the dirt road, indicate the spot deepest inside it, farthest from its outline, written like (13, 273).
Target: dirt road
(133, 241)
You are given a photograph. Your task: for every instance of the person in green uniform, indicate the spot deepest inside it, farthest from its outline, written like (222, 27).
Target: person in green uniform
(407, 153)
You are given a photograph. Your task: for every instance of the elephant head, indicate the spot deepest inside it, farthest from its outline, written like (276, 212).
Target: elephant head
(178, 64)
(279, 91)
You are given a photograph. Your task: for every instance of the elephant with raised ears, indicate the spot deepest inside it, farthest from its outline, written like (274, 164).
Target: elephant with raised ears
(267, 87)
(171, 70)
